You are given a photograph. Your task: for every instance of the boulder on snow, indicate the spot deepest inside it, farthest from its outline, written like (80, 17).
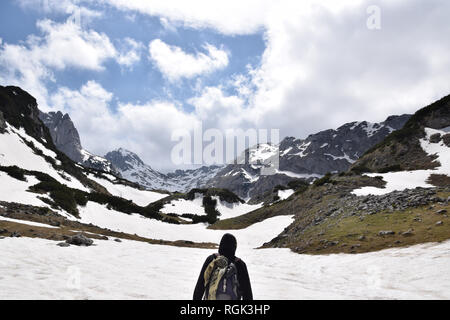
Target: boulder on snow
(446, 139)
(435, 138)
(80, 240)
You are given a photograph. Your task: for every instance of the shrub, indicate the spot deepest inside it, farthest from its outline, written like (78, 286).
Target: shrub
(325, 179)
(65, 200)
(393, 168)
(14, 172)
(360, 169)
(297, 184)
(210, 209)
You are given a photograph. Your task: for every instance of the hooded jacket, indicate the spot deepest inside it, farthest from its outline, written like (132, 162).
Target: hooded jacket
(227, 248)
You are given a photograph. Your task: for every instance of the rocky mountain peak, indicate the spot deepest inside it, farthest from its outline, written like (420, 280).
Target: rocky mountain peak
(64, 134)
(124, 159)
(66, 139)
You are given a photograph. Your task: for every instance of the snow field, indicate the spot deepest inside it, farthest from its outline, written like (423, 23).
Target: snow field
(132, 270)
(253, 236)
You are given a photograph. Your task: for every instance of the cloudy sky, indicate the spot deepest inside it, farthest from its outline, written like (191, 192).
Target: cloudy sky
(130, 73)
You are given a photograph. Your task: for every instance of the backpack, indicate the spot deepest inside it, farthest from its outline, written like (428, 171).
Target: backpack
(221, 282)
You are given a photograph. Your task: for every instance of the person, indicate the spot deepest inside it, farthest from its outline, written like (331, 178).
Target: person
(227, 248)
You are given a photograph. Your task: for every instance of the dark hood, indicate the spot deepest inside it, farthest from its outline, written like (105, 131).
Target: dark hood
(228, 246)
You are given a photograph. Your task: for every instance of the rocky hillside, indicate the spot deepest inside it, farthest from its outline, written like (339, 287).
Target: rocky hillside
(402, 149)
(66, 138)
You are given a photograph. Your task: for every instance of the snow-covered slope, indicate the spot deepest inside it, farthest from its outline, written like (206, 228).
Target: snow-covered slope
(15, 150)
(33, 171)
(138, 196)
(13, 190)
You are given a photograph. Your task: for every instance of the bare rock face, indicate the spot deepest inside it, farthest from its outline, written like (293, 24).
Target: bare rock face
(2, 122)
(64, 134)
(67, 140)
(20, 109)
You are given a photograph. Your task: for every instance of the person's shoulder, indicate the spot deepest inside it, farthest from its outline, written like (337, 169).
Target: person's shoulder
(239, 261)
(211, 257)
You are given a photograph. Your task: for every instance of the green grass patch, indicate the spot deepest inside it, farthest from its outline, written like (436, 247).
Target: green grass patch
(353, 234)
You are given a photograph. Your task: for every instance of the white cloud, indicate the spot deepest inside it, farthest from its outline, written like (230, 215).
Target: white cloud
(218, 110)
(321, 59)
(228, 17)
(81, 14)
(175, 64)
(62, 41)
(167, 25)
(130, 53)
(143, 128)
(62, 45)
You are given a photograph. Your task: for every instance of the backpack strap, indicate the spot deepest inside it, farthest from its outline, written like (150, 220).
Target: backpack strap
(208, 271)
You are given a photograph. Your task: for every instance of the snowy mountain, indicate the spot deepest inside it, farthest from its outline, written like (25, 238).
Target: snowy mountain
(132, 168)
(35, 173)
(309, 159)
(66, 138)
(335, 150)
